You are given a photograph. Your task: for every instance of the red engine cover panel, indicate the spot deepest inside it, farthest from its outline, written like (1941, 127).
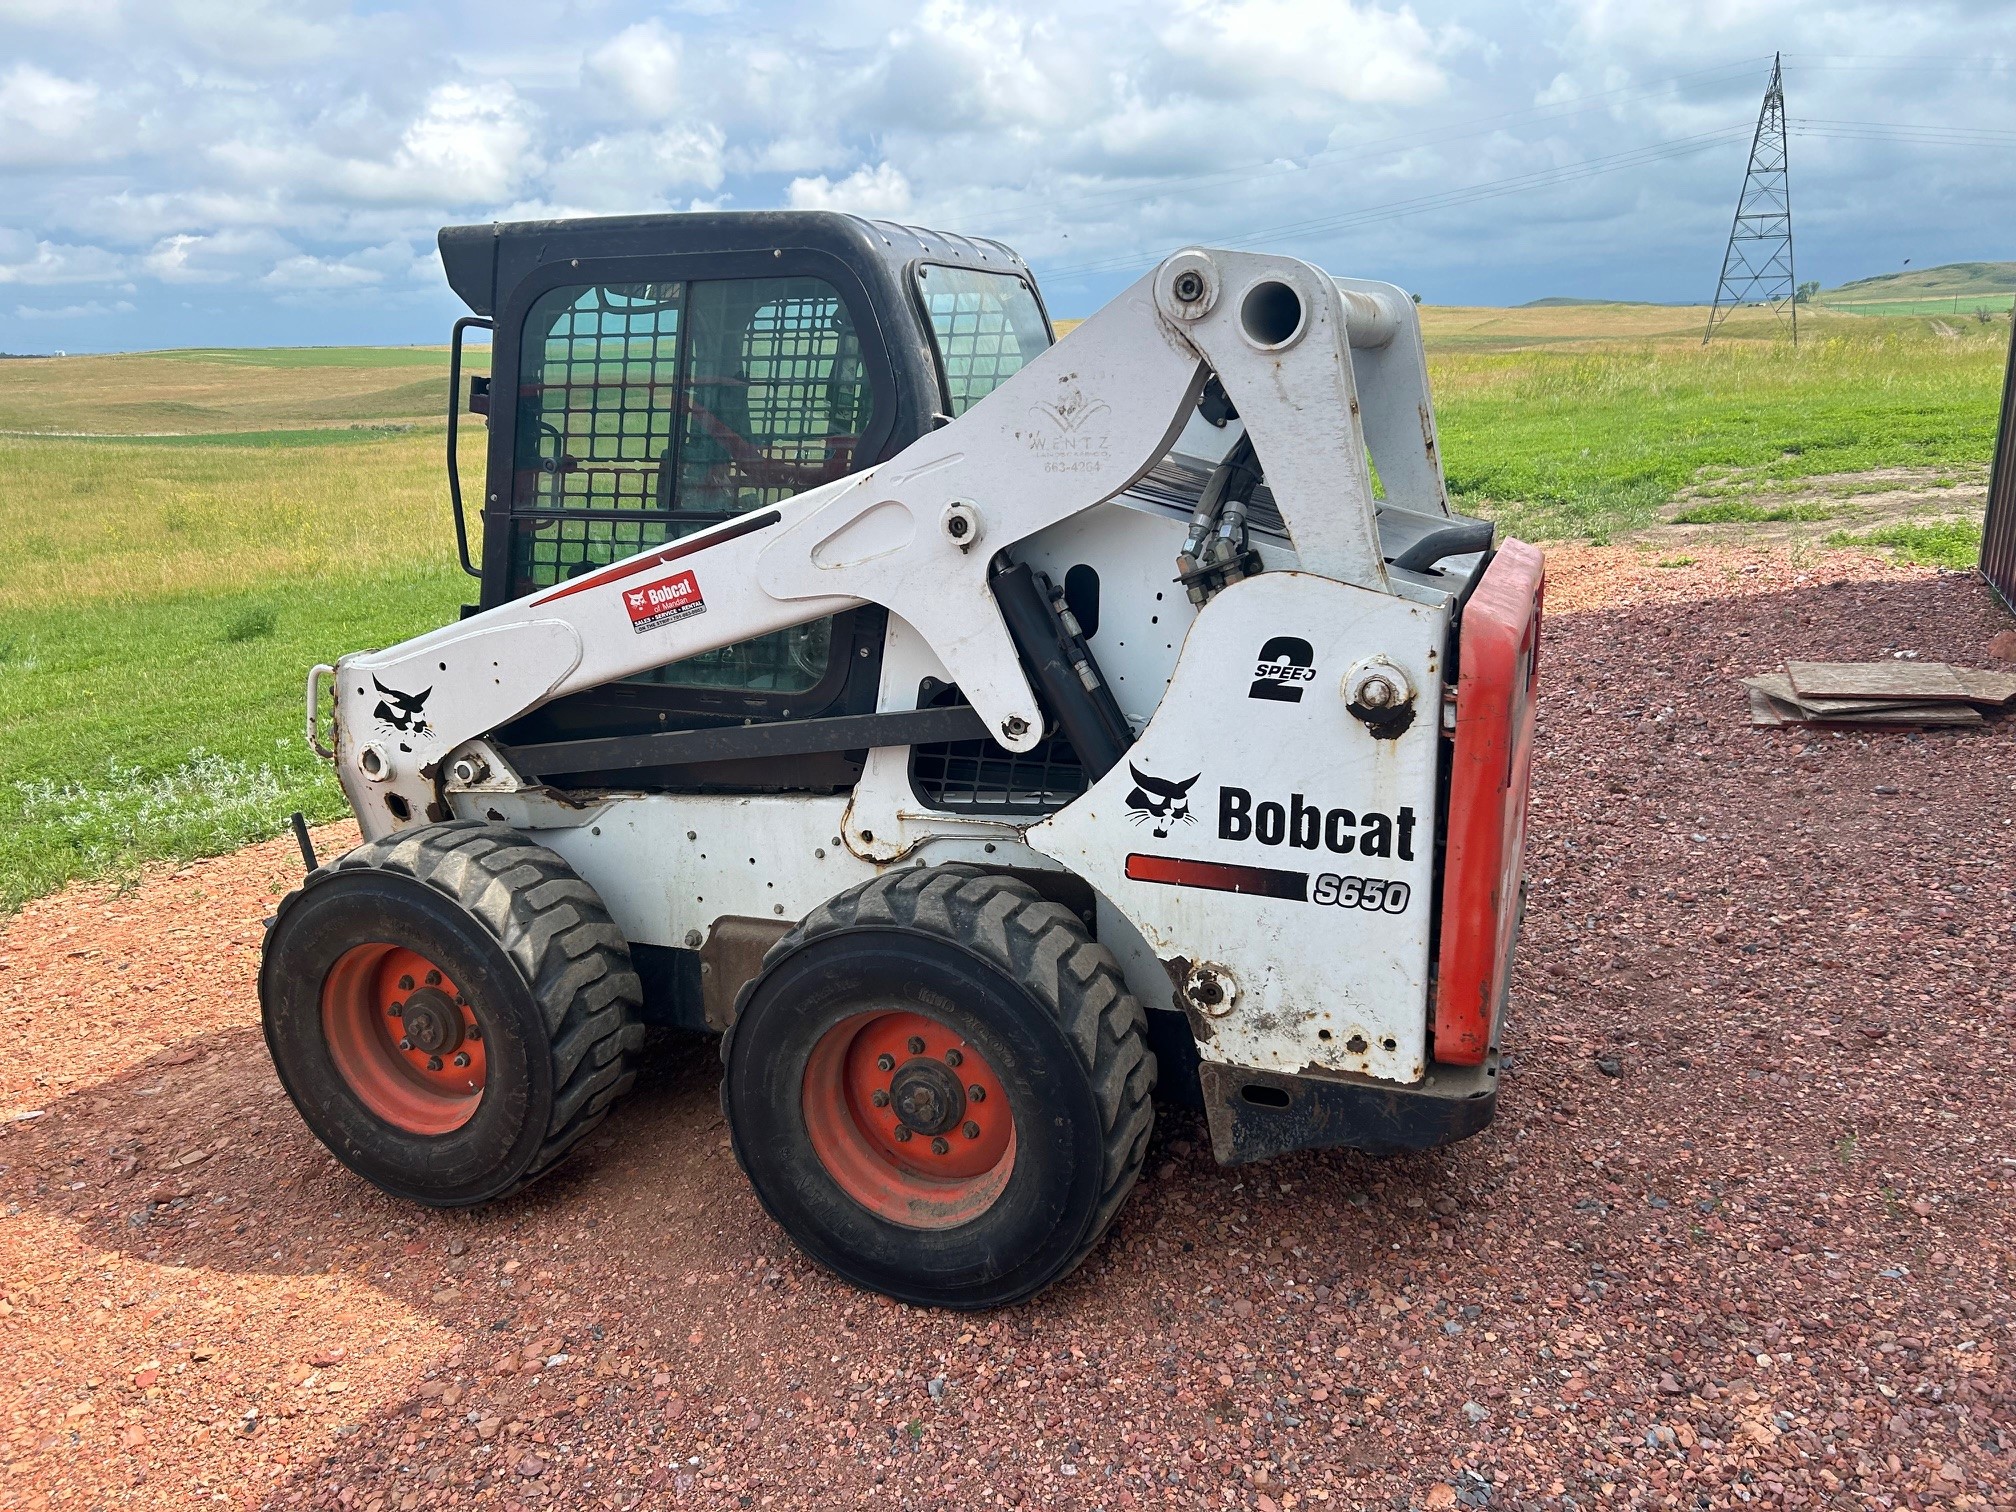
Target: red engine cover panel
(1489, 772)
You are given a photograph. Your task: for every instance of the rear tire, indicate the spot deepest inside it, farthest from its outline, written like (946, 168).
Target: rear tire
(451, 1010)
(850, 1075)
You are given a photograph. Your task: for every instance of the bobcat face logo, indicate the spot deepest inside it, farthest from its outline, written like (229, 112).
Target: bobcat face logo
(401, 711)
(1160, 804)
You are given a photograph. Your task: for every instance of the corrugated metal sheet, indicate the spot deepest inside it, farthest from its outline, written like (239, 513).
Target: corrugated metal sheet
(1998, 534)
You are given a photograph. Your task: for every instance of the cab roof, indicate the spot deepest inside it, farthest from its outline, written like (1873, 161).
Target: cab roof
(485, 263)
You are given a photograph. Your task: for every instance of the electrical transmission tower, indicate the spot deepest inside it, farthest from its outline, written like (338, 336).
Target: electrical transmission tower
(1757, 267)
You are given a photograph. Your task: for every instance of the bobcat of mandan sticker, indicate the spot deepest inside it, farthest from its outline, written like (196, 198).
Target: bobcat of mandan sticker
(663, 602)
(1285, 664)
(1158, 802)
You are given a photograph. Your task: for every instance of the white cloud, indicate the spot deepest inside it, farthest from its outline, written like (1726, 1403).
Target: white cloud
(642, 63)
(87, 310)
(27, 261)
(1318, 48)
(46, 119)
(636, 170)
(881, 190)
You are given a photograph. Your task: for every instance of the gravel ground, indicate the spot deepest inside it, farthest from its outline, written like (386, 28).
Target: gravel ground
(1742, 1233)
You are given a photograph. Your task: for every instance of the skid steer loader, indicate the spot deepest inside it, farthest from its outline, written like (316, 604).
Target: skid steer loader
(978, 732)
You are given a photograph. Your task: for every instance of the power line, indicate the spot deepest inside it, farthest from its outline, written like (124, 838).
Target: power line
(1420, 204)
(1475, 126)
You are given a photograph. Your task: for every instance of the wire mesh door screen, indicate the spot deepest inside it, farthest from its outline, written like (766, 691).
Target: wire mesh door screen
(649, 411)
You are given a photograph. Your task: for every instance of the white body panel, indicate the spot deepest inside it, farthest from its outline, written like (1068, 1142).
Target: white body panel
(1311, 984)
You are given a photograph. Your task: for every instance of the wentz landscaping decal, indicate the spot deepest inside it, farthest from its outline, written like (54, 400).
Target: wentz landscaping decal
(1295, 825)
(663, 602)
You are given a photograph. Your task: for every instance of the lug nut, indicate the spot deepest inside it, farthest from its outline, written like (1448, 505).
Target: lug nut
(938, 1146)
(433, 1063)
(916, 1045)
(972, 1129)
(405, 1044)
(880, 1099)
(461, 1057)
(397, 1010)
(885, 1062)
(474, 1032)
(405, 984)
(953, 1058)
(977, 1093)
(433, 979)
(902, 1134)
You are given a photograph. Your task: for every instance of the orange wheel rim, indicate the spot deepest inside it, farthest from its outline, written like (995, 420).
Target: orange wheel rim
(909, 1119)
(404, 1039)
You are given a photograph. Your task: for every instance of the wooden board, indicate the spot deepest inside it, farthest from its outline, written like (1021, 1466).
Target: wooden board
(1914, 714)
(1771, 705)
(1767, 712)
(1919, 681)
(1777, 685)
(1983, 687)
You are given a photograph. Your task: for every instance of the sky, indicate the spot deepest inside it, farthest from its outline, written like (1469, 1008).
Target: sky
(179, 173)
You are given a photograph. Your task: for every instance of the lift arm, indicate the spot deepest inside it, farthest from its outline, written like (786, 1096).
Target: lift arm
(1075, 427)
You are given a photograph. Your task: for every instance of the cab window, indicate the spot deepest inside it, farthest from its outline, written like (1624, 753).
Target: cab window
(985, 327)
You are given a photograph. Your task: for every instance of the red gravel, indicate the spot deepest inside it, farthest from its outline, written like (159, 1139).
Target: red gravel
(1742, 1233)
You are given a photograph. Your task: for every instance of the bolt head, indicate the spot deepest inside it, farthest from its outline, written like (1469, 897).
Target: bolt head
(971, 1129)
(939, 1146)
(1189, 287)
(474, 1032)
(433, 979)
(976, 1093)
(461, 1057)
(1376, 692)
(916, 1045)
(405, 984)
(397, 1010)
(405, 1044)
(954, 1058)
(902, 1134)
(885, 1062)
(433, 1063)
(880, 1099)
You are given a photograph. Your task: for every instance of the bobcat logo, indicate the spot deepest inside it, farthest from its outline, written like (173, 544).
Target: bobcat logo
(401, 711)
(1158, 803)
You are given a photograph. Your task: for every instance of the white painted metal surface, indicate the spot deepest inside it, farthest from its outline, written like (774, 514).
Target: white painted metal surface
(1273, 796)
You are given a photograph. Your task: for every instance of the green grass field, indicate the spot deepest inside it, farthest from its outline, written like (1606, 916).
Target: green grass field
(191, 530)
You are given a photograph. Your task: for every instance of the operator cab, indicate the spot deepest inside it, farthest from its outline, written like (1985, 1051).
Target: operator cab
(655, 375)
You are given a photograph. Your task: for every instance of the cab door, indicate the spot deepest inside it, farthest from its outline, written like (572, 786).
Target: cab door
(651, 401)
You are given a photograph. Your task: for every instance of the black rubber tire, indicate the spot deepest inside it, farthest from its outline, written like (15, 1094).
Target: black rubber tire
(1034, 993)
(545, 970)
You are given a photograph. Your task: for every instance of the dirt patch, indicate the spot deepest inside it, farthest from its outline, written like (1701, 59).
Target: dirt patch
(1741, 1233)
(1732, 511)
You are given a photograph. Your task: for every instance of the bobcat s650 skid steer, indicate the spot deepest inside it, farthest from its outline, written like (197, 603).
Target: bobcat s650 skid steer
(977, 732)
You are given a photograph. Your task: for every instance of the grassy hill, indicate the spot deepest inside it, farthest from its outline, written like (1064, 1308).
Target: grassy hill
(1950, 289)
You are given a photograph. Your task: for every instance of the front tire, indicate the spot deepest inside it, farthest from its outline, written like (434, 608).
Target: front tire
(451, 1010)
(940, 1087)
